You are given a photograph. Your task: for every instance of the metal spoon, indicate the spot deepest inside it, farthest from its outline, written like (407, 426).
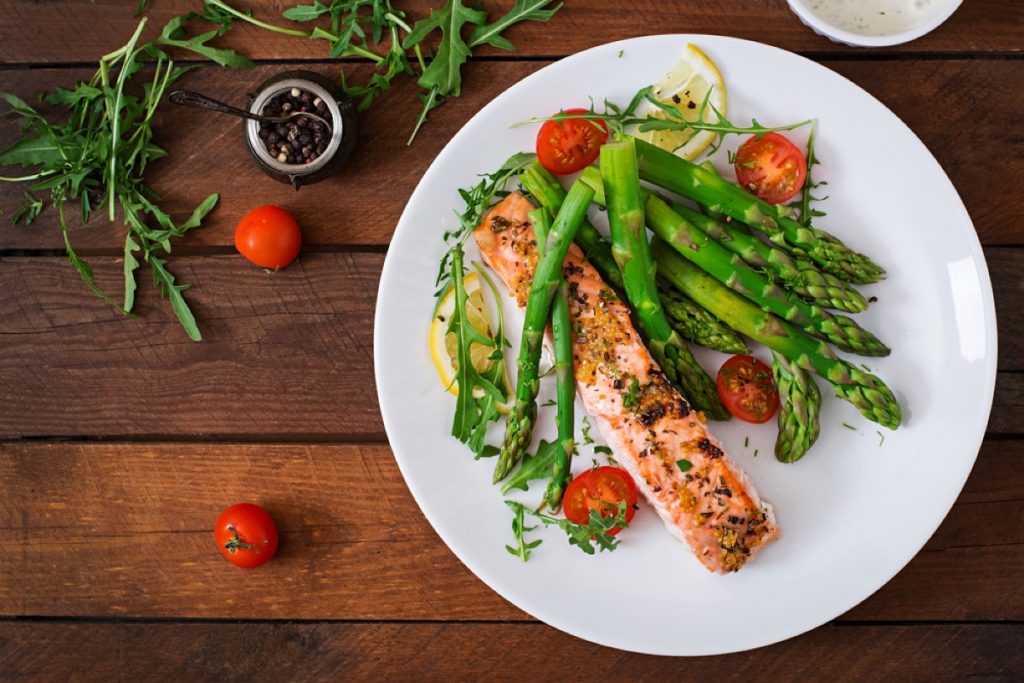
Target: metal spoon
(194, 99)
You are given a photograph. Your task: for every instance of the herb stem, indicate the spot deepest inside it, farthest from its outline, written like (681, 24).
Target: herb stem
(256, 22)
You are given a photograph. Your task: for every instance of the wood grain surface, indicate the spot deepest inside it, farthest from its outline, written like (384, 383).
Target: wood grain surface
(362, 204)
(34, 651)
(78, 30)
(121, 440)
(293, 348)
(104, 530)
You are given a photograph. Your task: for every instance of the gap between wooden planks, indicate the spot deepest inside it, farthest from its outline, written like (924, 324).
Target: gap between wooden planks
(282, 351)
(123, 530)
(963, 110)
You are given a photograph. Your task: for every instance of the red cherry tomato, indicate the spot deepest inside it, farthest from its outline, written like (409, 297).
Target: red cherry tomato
(571, 145)
(268, 236)
(246, 535)
(600, 489)
(771, 167)
(747, 389)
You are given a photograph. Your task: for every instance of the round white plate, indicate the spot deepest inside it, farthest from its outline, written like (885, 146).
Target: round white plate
(856, 509)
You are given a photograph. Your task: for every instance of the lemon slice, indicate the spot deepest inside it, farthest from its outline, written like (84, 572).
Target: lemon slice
(444, 345)
(684, 88)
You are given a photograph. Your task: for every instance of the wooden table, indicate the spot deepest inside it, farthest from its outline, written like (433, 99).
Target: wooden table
(121, 440)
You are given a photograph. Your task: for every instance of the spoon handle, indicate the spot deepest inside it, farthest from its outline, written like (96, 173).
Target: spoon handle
(194, 99)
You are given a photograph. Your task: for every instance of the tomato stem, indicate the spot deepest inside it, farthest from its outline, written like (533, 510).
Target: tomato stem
(236, 543)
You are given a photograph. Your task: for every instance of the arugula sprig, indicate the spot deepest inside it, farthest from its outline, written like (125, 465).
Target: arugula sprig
(479, 393)
(374, 30)
(591, 537)
(97, 156)
(620, 118)
(807, 212)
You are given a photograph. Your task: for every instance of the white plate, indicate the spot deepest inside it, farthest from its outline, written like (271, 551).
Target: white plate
(855, 510)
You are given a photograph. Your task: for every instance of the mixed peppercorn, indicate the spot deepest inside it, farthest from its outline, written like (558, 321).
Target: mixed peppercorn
(301, 139)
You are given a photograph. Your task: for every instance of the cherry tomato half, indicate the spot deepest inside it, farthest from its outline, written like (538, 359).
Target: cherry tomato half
(268, 236)
(564, 147)
(771, 167)
(747, 389)
(246, 535)
(600, 489)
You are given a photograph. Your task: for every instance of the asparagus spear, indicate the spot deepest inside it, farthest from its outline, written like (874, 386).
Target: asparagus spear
(565, 381)
(800, 405)
(631, 251)
(519, 426)
(865, 391)
(545, 188)
(689, 320)
(714, 258)
(799, 275)
(692, 322)
(708, 189)
(697, 246)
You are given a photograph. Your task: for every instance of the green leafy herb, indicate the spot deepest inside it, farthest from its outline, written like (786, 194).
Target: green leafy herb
(807, 213)
(629, 399)
(590, 537)
(684, 465)
(479, 394)
(98, 154)
(746, 442)
(522, 548)
(365, 28)
(587, 439)
(881, 438)
(524, 10)
(850, 427)
(538, 466)
(604, 450)
(619, 118)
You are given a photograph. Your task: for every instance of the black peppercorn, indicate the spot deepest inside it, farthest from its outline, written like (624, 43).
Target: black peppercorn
(272, 136)
(281, 129)
(263, 133)
(305, 138)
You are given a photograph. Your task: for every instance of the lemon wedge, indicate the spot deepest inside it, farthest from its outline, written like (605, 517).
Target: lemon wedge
(684, 88)
(444, 345)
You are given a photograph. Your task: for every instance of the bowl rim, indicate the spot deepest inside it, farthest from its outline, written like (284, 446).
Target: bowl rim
(833, 32)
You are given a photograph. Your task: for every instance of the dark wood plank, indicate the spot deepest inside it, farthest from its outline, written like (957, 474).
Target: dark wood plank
(124, 530)
(492, 652)
(80, 31)
(362, 204)
(288, 352)
(281, 351)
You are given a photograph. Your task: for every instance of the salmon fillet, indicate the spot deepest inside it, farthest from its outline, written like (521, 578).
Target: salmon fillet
(655, 435)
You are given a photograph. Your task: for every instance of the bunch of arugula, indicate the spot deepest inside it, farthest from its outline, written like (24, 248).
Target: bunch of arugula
(98, 156)
(595, 534)
(479, 394)
(365, 28)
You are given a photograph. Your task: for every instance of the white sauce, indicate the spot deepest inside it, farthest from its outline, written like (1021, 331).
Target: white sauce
(876, 17)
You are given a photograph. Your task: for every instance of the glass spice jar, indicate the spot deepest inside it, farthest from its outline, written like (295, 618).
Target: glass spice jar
(300, 151)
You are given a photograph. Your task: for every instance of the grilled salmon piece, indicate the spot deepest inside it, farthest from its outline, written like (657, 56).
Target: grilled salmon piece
(700, 493)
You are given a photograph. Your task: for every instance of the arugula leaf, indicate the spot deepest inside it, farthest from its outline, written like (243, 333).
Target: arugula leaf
(37, 150)
(522, 11)
(444, 70)
(30, 209)
(593, 536)
(537, 466)
(165, 280)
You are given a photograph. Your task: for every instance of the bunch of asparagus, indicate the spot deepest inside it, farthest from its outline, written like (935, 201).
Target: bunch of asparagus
(707, 278)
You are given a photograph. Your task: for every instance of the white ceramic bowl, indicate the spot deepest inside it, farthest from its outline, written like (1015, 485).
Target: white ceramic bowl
(823, 28)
